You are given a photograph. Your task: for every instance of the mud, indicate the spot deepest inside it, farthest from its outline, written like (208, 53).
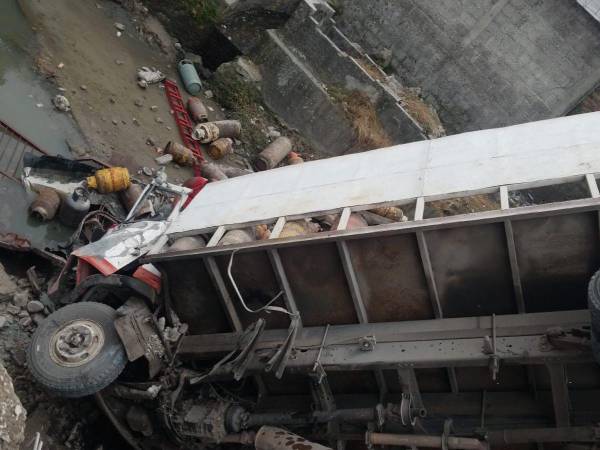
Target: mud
(79, 50)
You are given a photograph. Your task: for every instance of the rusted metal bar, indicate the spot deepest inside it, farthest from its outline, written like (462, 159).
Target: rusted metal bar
(272, 438)
(416, 330)
(418, 440)
(22, 137)
(560, 394)
(519, 342)
(219, 283)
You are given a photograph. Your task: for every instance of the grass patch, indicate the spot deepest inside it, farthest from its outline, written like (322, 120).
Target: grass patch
(362, 114)
(204, 12)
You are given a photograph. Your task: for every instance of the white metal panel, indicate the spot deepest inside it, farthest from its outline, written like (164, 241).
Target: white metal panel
(544, 150)
(592, 7)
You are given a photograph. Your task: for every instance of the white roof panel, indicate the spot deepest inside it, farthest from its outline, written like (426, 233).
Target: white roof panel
(544, 150)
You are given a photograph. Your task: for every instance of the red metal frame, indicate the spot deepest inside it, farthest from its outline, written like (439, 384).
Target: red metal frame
(182, 118)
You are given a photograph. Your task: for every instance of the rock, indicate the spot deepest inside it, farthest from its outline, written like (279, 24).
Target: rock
(83, 87)
(159, 120)
(3, 321)
(115, 122)
(12, 414)
(38, 318)
(164, 159)
(12, 309)
(35, 306)
(147, 171)
(177, 46)
(272, 132)
(119, 26)
(119, 34)
(150, 141)
(118, 62)
(25, 322)
(143, 84)
(154, 108)
(112, 100)
(23, 313)
(139, 102)
(208, 94)
(61, 103)
(76, 149)
(21, 299)
(135, 122)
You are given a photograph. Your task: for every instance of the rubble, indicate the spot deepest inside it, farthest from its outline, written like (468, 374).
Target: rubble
(12, 414)
(61, 103)
(8, 287)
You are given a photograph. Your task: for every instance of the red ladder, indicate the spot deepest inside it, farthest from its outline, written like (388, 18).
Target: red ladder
(182, 118)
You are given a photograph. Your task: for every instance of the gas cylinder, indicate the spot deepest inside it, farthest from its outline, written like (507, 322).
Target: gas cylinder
(112, 179)
(74, 207)
(130, 195)
(197, 110)
(273, 154)
(220, 148)
(211, 131)
(294, 158)
(190, 77)
(45, 205)
(181, 154)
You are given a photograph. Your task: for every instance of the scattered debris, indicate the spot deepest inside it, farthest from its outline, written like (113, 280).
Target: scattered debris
(139, 102)
(119, 26)
(83, 87)
(8, 287)
(12, 414)
(164, 159)
(208, 94)
(150, 75)
(61, 103)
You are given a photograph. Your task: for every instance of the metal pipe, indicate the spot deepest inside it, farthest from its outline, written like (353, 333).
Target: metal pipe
(272, 438)
(291, 418)
(418, 440)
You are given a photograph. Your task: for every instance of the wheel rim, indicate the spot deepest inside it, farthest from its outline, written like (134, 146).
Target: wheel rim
(76, 343)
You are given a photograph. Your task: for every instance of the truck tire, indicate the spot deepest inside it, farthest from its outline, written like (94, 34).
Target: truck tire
(76, 351)
(594, 307)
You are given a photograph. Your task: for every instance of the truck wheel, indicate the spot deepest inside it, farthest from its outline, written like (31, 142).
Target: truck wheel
(76, 351)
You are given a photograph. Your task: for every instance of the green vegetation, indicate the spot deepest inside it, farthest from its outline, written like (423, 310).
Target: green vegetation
(204, 12)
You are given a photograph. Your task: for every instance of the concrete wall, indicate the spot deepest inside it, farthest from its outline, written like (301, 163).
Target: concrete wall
(291, 91)
(483, 63)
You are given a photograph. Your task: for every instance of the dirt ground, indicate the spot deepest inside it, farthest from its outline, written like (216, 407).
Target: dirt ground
(81, 51)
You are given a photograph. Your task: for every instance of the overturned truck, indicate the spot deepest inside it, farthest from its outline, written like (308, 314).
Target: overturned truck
(439, 294)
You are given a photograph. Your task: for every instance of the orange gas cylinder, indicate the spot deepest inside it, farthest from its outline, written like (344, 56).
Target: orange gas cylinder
(112, 179)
